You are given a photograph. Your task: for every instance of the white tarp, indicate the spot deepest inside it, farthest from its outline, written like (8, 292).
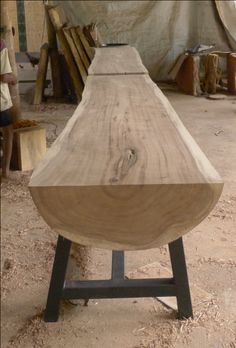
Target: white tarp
(227, 13)
(160, 30)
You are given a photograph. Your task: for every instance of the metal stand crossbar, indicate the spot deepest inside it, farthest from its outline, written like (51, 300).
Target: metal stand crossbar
(118, 286)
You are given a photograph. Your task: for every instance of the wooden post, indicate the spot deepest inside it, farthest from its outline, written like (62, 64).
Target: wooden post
(54, 57)
(231, 72)
(8, 37)
(211, 73)
(188, 76)
(41, 75)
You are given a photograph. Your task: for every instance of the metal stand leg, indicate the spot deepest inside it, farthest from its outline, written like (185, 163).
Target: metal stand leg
(118, 286)
(57, 279)
(118, 265)
(179, 268)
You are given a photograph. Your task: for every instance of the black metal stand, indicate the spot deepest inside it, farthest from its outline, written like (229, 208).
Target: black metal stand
(118, 286)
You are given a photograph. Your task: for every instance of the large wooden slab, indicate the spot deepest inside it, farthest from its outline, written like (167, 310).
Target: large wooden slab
(118, 60)
(125, 173)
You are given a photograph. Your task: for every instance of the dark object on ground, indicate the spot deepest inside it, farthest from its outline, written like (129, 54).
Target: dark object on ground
(33, 60)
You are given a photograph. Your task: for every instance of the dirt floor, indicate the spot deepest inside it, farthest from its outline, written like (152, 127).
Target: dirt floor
(28, 247)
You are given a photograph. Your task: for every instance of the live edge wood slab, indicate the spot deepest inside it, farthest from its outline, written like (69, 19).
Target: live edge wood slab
(125, 173)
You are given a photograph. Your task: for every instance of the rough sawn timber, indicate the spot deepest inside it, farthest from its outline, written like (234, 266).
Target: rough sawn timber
(117, 60)
(125, 173)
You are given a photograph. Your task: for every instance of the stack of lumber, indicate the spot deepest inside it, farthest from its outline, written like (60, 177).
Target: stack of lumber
(76, 50)
(125, 173)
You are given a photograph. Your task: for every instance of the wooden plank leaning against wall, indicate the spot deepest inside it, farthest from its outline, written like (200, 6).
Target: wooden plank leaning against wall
(72, 68)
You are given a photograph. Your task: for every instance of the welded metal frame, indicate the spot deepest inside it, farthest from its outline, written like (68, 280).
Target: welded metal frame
(118, 286)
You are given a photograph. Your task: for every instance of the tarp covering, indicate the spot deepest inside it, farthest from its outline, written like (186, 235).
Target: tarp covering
(227, 13)
(160, 30)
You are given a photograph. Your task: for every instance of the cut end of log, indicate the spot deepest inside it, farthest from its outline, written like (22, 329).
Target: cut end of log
(127, 217)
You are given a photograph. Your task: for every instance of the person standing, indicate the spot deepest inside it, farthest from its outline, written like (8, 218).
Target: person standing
(6, 78)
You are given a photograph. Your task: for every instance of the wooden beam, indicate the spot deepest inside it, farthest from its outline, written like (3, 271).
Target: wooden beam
(187, 76)
(125, 173)
(75, 54)
(54, 57)
(57, 18)
(71, 64)
(231, 72)
(80, 48)
(56, 72)
(41, 75)
(90, 51)
(72, 68)
(211, 73)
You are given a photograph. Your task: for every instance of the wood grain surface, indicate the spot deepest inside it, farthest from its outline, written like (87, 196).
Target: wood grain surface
(118, 60)
(125, 173)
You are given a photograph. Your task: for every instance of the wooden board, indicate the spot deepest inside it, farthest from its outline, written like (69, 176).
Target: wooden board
(54, 56)
(124, 173)
(30, 147)
(117, 60)
(56, 73)
(90, 51)
(80, 48)
(57, 17)
(211, 73)
(58, 20)
(41, 75)
(75, 54)
(71, 65)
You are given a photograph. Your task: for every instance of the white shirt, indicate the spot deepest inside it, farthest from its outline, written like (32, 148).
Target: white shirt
(6, 102)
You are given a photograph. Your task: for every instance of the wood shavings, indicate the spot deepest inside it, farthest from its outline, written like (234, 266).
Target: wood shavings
(220, 262)
(219, 132)
(166, 333)
(25, 124)
(31, 330)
